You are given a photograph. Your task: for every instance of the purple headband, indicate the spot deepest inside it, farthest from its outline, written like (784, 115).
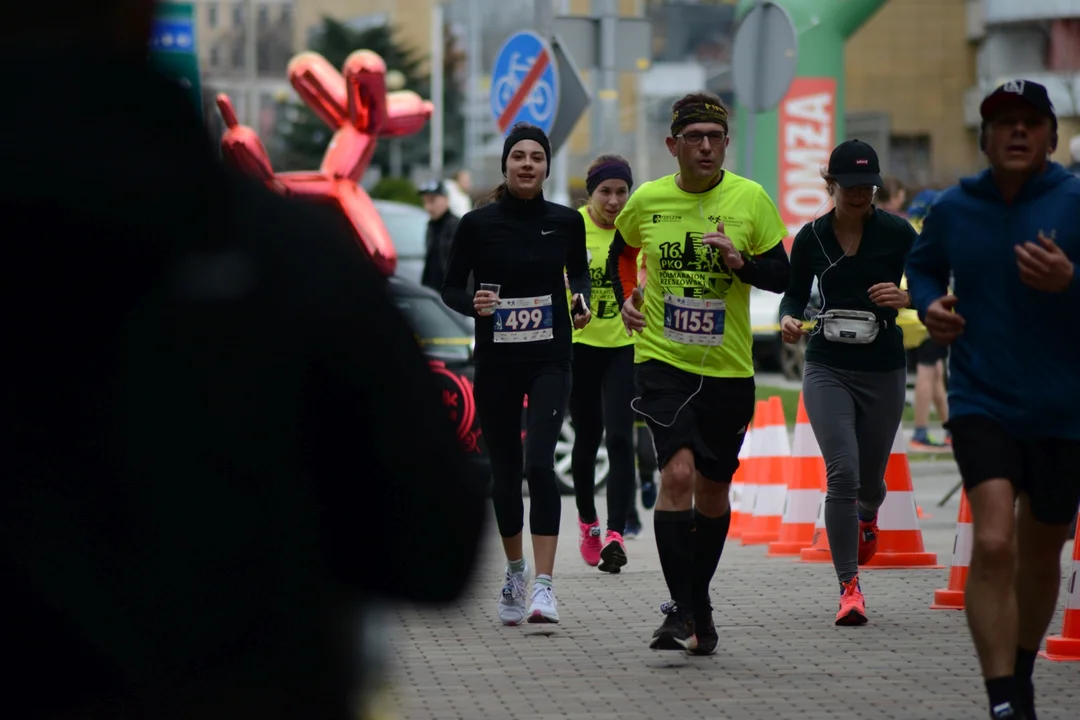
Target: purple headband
(611, 170)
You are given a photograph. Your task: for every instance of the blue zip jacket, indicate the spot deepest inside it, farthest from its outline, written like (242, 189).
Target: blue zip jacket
(1018, 359)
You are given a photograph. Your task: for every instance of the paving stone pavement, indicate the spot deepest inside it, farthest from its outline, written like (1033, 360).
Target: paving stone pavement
(780, 654)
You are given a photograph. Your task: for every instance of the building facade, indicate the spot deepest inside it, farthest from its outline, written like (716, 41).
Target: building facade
(908, 71)
(1037, 40)
(252, 75)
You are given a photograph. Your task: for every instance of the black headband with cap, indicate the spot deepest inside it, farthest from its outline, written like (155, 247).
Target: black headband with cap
(527, 133)
(698, 112)
(610, 170)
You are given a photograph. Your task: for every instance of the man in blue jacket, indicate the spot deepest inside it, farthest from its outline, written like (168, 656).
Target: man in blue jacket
(1010, 239)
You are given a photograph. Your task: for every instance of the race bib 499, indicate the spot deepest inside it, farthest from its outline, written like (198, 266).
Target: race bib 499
(520, 320)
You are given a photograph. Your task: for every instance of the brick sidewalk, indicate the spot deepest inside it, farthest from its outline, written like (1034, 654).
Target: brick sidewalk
(780, 655)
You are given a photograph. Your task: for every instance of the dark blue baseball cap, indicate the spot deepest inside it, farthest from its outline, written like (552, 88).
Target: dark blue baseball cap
(1024, 91)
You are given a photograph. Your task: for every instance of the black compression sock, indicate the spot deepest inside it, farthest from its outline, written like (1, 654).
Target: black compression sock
(709, 538)
(1002, 692)
(675, 545)
(1025, 689)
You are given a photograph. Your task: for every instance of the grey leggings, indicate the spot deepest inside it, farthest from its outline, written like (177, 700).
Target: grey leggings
(854, 415)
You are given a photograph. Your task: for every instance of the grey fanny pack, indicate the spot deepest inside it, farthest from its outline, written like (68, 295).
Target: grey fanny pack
(854, 327)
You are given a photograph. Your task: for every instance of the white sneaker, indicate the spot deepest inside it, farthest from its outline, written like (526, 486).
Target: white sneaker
(543, 608)
(512, 598)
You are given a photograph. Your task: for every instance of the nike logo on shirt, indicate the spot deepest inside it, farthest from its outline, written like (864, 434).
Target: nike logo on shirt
(546, 232)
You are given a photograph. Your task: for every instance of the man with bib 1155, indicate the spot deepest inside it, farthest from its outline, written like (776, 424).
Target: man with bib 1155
(709, 235)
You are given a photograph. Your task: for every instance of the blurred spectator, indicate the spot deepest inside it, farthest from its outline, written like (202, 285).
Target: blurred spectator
(929, 360)
(920, 205)
(440, 234)
(458, 190)
(1074, 150)
(207, 469)
(891, 196)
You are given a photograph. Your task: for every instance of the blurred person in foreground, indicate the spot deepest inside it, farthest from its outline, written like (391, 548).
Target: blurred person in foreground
(210, 409)
(1009, 238)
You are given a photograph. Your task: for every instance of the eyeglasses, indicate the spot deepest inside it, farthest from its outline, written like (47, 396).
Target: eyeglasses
(694, 138)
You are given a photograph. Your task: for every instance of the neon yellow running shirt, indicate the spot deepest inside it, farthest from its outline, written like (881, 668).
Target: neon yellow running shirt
(606, 327)
(686, 278)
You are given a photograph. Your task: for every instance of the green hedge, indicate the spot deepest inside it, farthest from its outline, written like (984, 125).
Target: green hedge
(398, 189)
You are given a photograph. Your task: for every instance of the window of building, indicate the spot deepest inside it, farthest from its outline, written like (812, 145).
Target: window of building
(909, 159)
(286, 14)
(212, 15)
(238, 55)
(1063, 50)
(263, 17)
(238, 14)
(215, 56)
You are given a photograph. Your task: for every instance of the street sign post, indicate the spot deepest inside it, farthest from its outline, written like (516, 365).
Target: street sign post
(525, 83)
(606, 44)
(173, 48)
(574, 97)
(764, 60)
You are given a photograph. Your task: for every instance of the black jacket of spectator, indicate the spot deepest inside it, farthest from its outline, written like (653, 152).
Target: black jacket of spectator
(209, 424)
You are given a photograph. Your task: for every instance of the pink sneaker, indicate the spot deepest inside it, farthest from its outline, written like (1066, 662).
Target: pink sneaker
(589, 542)
(613, 556)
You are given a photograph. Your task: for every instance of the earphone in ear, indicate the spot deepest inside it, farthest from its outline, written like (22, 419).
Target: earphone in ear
(1054, 141)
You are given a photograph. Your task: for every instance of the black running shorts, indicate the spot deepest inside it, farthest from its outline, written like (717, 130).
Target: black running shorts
(929, 352)
(1047, 470)
(712, 424)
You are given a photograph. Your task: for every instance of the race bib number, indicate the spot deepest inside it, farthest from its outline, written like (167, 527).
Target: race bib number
(519, 320)
(694, 321)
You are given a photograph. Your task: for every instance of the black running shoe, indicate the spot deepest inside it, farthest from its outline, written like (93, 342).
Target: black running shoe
(677, 632)
(704, 629)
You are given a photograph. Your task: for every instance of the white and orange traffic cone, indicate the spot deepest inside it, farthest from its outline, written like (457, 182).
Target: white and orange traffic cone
(952, 597)
(1066, 646)
(804, 494)
(900, 540)
(773, 450)
(740, 493)
(819, 551)
(749, 466)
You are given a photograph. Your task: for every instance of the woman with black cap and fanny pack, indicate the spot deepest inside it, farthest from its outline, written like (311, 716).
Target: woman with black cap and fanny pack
(517, 248)
(855, 376)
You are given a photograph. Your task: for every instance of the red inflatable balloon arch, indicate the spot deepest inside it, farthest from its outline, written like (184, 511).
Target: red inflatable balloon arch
(359, 111)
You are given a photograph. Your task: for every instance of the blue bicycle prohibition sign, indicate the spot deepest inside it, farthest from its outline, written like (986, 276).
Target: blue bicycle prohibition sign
(525, 83)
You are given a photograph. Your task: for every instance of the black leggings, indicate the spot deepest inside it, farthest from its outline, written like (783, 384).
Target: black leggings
(500, 391)
(646, 453)
(599, 402)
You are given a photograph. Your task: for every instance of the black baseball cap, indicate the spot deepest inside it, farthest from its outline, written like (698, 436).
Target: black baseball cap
(1025, 91)
(434, 187)
(855, 163)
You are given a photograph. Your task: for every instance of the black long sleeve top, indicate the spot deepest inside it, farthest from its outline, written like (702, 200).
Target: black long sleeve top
(524, 246)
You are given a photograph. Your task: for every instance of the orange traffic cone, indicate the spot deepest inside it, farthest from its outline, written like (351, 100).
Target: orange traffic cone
(900, 541)
(819, 549)
(749, 465)
(739, 509)
(1066, 646)
(952, 597)
(804, 495)
(773, 449)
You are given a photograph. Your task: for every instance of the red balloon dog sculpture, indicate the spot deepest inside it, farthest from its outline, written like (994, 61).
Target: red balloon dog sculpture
(358, 109)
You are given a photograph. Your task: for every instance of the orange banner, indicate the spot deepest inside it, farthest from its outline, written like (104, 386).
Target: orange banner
(806, 121)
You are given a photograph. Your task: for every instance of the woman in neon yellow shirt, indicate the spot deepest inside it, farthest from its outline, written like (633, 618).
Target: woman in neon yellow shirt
(603, 379)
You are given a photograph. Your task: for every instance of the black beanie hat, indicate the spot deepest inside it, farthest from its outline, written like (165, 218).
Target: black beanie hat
(526, 132)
